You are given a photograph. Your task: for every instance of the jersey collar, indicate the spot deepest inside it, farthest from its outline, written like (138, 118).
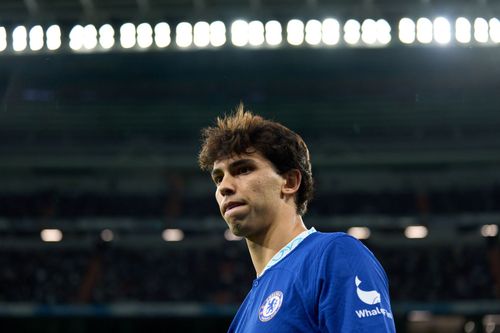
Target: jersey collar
(287, 249)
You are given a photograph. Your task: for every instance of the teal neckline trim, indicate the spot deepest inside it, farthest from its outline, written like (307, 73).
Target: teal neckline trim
(287, 249)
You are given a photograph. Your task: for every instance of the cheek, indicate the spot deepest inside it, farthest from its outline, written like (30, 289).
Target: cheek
(267, 189)
(218, 197)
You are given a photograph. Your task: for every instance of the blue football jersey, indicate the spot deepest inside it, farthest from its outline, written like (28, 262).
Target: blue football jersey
(329, 282)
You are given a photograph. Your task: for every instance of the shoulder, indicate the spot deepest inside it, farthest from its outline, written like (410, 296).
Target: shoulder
(345, 254)
(336, 241)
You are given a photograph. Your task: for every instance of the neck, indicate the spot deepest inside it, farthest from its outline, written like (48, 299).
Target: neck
(263, 247)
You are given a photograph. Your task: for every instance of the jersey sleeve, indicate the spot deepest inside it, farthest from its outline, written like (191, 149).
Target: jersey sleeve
(352, 291)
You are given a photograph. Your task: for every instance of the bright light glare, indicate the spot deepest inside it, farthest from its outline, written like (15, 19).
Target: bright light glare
(495, 30)
(127, 35)
(420, 316)
(144, 35)
(424, 30)
(51, 235)
(383, 32)
(53, 35)
(106, 36)
(172, 235)
(217, 33)
(239, 33)
(184, 34)
(228, 235)
(90, 37)
(162, 34)
(352, 32)
(406, 31)
(481, 30)
(256, 33)
(36, 38)
(359, 232)
(201, 34)
(442, 30)
(295, 32)
(463, 30)
(313, 32)
(330, 31)
(3, 39)
(19, 38)
(273, 33)
(107, 235)
(416, 231)
(76, 37)
(489, 230)
(369, 31)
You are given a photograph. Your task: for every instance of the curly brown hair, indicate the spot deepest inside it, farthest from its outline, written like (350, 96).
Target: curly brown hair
(243, 132)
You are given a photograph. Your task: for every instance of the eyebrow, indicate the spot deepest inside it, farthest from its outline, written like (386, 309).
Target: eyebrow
(234, 165)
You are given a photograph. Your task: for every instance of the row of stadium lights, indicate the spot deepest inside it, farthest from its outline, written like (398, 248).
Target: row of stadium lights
(175, 235)
(255, 34)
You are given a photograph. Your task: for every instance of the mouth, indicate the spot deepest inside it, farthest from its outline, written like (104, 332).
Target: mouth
(230, 205)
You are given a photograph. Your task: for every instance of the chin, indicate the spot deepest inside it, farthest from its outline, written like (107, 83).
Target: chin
(237, 229)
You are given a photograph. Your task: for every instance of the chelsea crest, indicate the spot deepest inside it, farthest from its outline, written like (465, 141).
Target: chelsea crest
(271, 306)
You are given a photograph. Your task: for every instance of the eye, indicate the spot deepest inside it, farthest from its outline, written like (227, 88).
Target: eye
(217, 179)
(244, 170)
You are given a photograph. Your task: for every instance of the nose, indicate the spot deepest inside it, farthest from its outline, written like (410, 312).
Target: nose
(226, 186)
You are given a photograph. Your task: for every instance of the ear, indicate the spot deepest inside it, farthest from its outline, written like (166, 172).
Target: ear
(292, 179)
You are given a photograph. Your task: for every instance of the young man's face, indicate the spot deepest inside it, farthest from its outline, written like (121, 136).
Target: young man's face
(249, 193)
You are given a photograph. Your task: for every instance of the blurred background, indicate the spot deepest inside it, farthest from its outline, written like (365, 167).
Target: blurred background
(106, 222)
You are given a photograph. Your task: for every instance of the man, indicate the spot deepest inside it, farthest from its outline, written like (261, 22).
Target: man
(307, 281)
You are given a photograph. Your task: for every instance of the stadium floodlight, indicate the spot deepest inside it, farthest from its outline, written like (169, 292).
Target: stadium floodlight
(184, 34)
(313, 32)
(481, 33)
(359, 232)
(256, 33)
(89, 37)
(369, 31)
(201, 34)
(107, 235)
(330, 29)
(463, 30)
(407, 31)
(442, 30)
(489, 230)
(53, 36)
(217, 33)
(36, 38)
(144, 35)
(162, 35)
(228, 235)
(424, 30)
(295, 32)
(51, 235)
(127, 35)
(76, 37)
(383, 32)
(19, 38)
(495, 30)
(3, 39)
(239, 33)
(173, 235)
(416, 231)
(352, 32)
(106, 36)
(273, 33)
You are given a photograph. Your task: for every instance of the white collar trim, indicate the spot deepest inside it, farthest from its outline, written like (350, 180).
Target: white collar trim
(287, 249)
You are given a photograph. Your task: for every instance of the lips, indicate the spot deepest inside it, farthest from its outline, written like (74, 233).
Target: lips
(231, 205)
